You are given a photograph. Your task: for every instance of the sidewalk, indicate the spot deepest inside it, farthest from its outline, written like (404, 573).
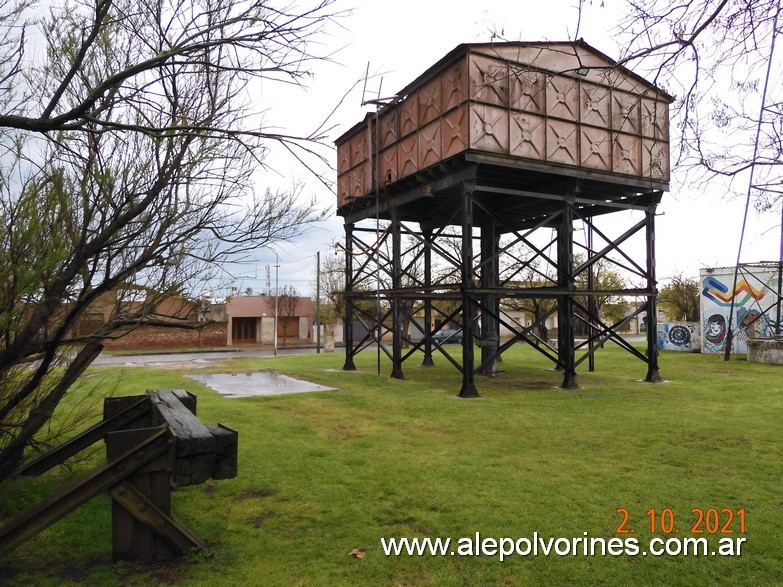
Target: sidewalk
(169, 357)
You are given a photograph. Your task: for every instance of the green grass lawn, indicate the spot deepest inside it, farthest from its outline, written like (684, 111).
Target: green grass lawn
(323, 473)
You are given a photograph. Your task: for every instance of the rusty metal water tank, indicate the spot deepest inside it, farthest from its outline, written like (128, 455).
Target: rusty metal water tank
(560, 106)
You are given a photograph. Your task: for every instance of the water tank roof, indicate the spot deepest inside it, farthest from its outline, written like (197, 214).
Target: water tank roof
(575, 52)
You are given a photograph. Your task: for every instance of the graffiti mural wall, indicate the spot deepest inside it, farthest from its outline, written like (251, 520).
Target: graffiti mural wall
(683, 336)
(755, 305)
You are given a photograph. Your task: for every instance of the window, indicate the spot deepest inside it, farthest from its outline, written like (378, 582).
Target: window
(243, 330)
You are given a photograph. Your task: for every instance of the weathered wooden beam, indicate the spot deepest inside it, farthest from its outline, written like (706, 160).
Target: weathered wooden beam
(130, 412)
(226, 451)
(197, 445)
(68, 498)
(131, 538)
(188, 399)
(179, 536)
(142, 464)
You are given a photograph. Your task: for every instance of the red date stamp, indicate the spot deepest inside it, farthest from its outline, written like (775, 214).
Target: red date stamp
(701, 521)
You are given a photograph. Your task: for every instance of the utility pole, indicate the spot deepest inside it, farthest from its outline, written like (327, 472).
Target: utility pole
(318, 302)
(277, 296)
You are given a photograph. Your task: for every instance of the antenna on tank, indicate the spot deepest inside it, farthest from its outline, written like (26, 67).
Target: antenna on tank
(377, 101)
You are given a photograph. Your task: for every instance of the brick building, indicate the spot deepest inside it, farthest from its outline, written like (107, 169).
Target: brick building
(173, 310)
(251, 319)
(240, 320)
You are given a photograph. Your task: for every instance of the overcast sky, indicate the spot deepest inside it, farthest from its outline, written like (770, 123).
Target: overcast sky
(400, 40)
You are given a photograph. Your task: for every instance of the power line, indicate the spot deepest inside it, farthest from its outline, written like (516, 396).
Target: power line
(729, 331)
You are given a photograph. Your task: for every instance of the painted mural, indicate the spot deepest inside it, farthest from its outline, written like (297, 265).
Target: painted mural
(678, 337)
(755, 300)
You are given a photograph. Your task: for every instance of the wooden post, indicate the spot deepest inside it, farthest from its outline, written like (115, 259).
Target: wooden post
(131, 538)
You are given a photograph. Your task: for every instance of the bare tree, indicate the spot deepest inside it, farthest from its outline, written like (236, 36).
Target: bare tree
(287, 304)
(523, 268)
(680, 298)
(128, 150)
(526, 269)
(607, 280)
(730, 97)
(332, 286)
(721, 61)
(333, 289)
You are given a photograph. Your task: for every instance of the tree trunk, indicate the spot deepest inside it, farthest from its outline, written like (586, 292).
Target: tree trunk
(12, 455)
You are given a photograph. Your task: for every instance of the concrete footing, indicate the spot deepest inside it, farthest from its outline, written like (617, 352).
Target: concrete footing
(766, 350)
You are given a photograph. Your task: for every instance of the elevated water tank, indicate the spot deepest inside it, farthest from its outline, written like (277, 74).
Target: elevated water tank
(560, 108)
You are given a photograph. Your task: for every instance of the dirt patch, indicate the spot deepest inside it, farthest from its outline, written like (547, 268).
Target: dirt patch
(258, 521)
(342, 432)
(257, 493)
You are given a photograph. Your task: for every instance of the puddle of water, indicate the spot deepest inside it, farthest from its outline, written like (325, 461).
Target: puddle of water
(254, 384)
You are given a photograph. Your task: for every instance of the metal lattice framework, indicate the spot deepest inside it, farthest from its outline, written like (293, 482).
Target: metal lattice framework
(454, 220)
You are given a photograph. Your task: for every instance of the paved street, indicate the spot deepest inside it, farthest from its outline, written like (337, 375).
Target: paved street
(195, 359)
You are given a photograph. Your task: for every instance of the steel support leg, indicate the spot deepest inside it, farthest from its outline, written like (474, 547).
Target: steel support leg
(652, 310)
(489, 279)
(427, 236)
(565, 280)
(592, 304)
(395, 300)
(348, 322)
(468, 307)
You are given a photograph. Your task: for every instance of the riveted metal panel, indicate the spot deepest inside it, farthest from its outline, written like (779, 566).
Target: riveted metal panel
(527, 136)
(562, 98)
(655, 159)
(625, 112)
(562, 142)
(343, 158)
(408, 154)
(359, 149)
(626, 154)
(527, 89)
(429, 98)
(343, 188)
(389, 130)
(619, 81)
(559, 58)
(595, 105)
(359, 184)
(389, 172)
(409, 115)
(429, 145)
(596, 148)
(559, 103)
(489, 81)
(454, 131)
(489, 128)
(655, 119)
(454, 85)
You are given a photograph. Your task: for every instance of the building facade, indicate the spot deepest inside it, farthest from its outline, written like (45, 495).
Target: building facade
(251, 319)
